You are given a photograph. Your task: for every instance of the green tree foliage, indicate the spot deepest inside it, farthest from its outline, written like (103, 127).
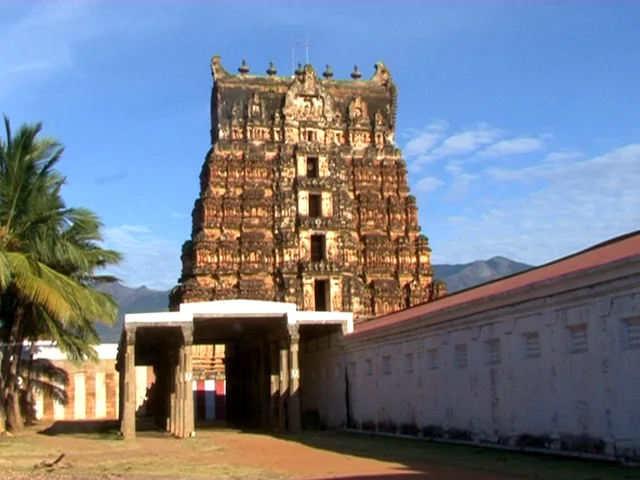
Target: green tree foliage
(50, 256)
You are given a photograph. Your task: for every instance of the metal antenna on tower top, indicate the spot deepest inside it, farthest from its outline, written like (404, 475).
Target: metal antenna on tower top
(298, 41)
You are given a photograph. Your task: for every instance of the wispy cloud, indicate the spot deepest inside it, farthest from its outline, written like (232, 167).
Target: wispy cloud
(149, 259)
(428, 184)
(570, 206)
(467, 141)
(432, 144)
(460, 181)
(45, 40)
(563, 155)
(512, 146)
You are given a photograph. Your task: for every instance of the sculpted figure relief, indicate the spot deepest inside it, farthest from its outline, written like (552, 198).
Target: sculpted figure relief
(358, 111)
(335, 122)
(307, 99)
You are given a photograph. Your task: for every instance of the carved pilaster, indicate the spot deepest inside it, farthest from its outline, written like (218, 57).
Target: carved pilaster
(252, 224)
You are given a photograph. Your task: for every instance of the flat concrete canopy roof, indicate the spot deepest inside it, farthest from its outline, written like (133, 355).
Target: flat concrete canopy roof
(228, 320)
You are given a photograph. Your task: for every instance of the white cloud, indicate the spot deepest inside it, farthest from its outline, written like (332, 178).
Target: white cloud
(44, 42)
(428, 184)
(513, 146)
(423, 141)
(431, 145)
(148, 258)
(456, 220)
(467, 141)
(562, 156)
(572, 206)
(460, 180)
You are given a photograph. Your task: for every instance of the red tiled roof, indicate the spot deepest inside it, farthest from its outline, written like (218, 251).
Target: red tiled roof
(613, 250)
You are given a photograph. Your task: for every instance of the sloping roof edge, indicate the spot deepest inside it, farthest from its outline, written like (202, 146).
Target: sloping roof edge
(607, 252)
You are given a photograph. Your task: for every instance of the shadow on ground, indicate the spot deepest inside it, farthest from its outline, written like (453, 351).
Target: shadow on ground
(461, 461)
(416, 459)
(74, 427)
(393, 476)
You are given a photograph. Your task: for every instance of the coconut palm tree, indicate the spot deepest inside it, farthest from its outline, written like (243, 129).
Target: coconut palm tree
(49, 255)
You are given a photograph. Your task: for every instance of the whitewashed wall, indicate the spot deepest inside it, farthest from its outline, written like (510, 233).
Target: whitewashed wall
(560, 372)
(93, 387)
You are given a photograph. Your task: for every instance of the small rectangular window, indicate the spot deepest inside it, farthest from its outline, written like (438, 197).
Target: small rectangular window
(318, 248)
(432, 357)
(461, 356)
(321, 295)
(315, 205)
(368, 367)
(493, 351)
(578, 340)
(352, 369)
(460, 359)
(386, 365)
(408, 363)
(531, 342)
(313, 169)
(632, 332)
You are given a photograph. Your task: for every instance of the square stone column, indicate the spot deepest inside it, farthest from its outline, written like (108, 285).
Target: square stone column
(284, 385)
(171, 382)
(264, 390)
(295, 420)
(274, 368)
(128, 408)
(186, 366)
(177, 407)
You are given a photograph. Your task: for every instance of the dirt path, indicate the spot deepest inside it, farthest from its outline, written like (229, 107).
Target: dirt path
(308, 462)
(229, 454)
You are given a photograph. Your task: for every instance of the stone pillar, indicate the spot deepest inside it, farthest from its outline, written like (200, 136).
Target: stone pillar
(128, 370)
(295, 421)
(284, 385)
(175, 395)
(264, 390)
(274, 366)
(170, 371)
(188, 420)
(231, 373)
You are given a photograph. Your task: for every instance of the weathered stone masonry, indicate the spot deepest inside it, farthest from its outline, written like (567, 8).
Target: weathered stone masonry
(304, 197)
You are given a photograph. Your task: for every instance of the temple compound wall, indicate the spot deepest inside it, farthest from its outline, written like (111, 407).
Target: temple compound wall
(92, 388)
(549, 358)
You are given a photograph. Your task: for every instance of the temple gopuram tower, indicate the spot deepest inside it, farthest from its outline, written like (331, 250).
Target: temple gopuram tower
(304, 197)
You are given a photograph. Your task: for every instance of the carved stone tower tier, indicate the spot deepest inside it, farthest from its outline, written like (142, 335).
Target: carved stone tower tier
(304, 197)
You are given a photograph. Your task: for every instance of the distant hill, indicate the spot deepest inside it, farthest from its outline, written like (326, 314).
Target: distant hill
(466, 275)
(132, 300)
(458, 277)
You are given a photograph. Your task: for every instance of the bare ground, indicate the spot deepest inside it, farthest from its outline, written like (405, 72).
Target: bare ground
(232, 454)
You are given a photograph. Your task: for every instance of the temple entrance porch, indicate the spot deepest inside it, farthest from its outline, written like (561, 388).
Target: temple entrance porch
(261, 365)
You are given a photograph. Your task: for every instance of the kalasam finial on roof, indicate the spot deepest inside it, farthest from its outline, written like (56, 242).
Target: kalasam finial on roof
(272, 70)
(328, 73)
(299, 70)
(243, 68)
(356, 74)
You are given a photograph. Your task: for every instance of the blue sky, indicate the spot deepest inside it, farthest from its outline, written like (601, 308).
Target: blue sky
(520, 121)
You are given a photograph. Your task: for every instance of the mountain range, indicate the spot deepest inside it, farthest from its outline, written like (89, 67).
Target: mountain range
(457, 276)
